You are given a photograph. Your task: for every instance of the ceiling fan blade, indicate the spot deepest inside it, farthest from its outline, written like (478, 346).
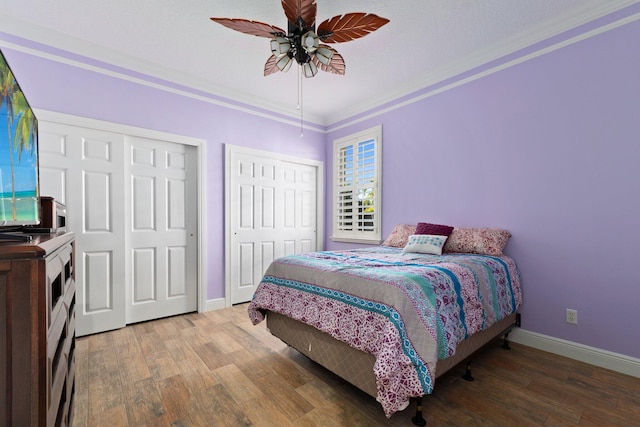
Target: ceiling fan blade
(336, 65)
(270, 67)
(254, 28)
(349, 27)
(303, 9)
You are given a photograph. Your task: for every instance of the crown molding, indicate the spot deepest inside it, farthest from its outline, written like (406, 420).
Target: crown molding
(79, 53)
(432, 90)
(560, 24)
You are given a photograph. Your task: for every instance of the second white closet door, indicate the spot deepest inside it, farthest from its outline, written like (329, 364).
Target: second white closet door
(162, 240)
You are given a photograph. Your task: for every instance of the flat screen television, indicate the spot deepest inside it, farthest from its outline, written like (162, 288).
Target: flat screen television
(19, 182)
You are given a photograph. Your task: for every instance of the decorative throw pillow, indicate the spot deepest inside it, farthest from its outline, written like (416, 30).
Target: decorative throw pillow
(399, 235)
(483, 241)
(428, 228)
(425, 244)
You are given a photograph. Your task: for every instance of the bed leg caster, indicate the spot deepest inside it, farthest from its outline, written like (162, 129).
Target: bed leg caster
(505, 342)
(419, 420)
(467, 373)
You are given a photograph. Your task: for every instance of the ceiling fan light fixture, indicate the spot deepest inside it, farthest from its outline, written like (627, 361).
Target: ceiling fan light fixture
(309, 69)
(310, 41)
(301, 41)
(284, 63)
(324, 55)
(280, 46)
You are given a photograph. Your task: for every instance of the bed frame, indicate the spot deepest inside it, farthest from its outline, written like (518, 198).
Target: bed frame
(356, 366)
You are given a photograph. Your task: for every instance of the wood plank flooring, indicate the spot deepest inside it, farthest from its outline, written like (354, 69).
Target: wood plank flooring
(216, 369)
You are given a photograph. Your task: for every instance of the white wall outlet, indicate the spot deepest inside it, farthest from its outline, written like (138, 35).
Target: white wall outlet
(572, 316)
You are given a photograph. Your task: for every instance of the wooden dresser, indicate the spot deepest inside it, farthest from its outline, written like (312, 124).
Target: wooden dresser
(37, 330)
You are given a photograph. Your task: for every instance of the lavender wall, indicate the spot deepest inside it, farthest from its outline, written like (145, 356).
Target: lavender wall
(548, 149)
(54, 86)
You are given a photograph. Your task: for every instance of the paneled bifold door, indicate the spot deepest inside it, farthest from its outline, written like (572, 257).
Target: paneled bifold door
(272, 211)
(131, 202)
(162, 239)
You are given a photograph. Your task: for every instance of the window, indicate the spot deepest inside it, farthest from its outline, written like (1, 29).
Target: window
(356, 187)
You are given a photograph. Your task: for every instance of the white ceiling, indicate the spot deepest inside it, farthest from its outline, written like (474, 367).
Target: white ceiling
(425, 42)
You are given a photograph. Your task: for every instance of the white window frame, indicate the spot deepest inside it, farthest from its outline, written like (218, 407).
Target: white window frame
(359, 233)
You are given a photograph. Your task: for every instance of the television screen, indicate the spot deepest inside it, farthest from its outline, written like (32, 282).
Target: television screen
(18, 154)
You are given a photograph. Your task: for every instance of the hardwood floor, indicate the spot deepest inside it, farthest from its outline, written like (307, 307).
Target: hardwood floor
(216, 369)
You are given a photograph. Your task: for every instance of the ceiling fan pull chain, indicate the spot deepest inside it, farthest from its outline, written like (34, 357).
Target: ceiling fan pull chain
(299, 84)
(300, 96)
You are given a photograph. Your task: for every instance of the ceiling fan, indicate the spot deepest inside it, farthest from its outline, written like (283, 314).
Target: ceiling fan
(301, 42)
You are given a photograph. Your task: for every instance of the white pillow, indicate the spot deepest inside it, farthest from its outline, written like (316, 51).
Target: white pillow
(425, 244)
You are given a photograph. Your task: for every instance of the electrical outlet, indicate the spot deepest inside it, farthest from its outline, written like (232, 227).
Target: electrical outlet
(572, 316)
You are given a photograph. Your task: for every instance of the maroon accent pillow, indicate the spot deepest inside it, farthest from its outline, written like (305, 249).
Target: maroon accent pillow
(437, 229)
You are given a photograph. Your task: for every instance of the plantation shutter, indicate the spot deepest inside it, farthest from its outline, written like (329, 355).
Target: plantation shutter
(357, 195)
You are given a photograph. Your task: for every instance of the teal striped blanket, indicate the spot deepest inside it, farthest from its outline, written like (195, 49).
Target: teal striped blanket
(407, 309)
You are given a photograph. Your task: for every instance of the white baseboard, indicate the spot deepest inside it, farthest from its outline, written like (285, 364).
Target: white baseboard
(605, 359)
(215, 304)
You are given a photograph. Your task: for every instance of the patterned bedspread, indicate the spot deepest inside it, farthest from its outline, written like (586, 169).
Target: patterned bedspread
(407, 309)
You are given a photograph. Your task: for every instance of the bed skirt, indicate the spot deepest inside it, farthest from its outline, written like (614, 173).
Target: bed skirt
(356, 366)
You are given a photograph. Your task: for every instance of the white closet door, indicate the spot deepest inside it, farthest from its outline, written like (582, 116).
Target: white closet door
(132, 203)
(83, 169)
(299, 207)
(162, 262)
(271, 212)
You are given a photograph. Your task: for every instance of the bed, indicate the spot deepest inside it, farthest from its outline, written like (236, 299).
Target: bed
(388, 320)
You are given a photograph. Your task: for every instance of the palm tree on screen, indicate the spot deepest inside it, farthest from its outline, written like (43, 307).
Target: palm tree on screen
(13, 101)
(23, 137)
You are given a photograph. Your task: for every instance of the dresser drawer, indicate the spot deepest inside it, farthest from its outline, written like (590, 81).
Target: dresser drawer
(37, 330)
(59, 267)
